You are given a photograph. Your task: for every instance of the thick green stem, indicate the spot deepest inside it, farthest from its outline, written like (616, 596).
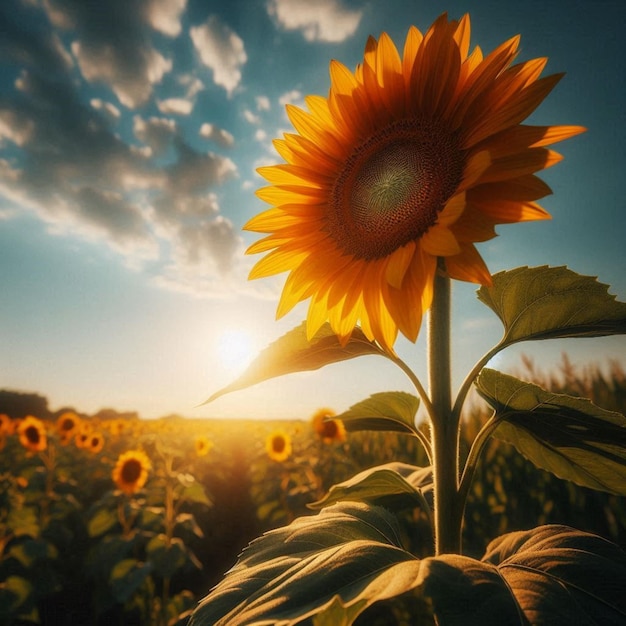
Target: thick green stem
(445, 424)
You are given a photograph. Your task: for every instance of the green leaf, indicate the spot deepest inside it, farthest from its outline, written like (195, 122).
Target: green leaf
(552, 302)
(570, 437)
(32, 550)
(559, 575)
(101, 522)
(381, 482)
(293, 353)
(389, 411)
(19, 588)
(166, 557)
(350, 552)
(330, 568)
(194, 492)
(127, 577)
(23, 520)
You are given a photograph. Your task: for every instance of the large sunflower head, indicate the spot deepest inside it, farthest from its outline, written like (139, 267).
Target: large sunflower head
(131, 471)
(32, 434)
(411, 157)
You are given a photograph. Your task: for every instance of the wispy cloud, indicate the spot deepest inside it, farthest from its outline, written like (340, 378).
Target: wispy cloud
(323, 20)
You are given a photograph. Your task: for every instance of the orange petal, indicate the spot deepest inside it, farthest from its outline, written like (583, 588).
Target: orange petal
(439, 241)
(398, 263)
(468, 266)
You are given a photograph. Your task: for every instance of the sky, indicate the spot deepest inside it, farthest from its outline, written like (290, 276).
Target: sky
(130, 132)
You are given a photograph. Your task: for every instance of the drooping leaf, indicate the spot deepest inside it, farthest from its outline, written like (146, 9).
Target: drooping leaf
(568, 436)
(380, 483)
(559, 575)
(294, 353)
(552, 302)
(350, 553)
(387, 410)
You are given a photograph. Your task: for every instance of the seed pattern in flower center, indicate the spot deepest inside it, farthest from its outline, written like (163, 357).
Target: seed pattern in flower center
(392, 188)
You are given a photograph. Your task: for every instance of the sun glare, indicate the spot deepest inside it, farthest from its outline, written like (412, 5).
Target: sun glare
(235, 349)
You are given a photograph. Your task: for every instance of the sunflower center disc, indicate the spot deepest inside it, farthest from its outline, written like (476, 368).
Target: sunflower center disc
(392, 188)
(131, 471)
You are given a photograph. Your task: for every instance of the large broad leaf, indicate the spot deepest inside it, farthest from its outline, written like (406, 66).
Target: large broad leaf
(294, 353)
(350, 553)
(399, 481)
(387, 410)
(562, 576)
(551, 302)
(570, 437)
(329, 568)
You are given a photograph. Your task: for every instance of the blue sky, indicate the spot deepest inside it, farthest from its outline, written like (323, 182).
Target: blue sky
(129, 137)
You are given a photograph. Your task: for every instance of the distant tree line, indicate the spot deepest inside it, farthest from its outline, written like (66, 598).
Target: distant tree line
(17, 405)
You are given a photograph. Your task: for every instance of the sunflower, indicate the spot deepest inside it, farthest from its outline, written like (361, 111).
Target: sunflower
(328, 430)
(32, 434)
(131, 471)
(67, 424)
(7, 427)
(410, 158)
(202, 445)
(95, 442)
(278, 445)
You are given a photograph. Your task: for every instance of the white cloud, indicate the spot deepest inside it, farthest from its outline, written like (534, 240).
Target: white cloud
(131, 85)
(218, 135)
(221, 50)
(155, 132)
(262, 103)
(175, 106)
(15, 128)
(114, 46)
(251, 118)
(192, 84)
(112, 112)
(292, 97)
(164, 15)
(323, 20)
(260, 135)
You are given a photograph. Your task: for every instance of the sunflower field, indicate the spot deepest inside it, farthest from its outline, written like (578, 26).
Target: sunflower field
(131, 521)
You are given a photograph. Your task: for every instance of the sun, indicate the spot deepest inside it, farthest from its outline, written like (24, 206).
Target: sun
(235, 349)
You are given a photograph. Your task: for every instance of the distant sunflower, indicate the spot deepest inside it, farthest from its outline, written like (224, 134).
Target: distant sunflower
(278, 446)
(202, 445)
(131, 471)
(7, 427)
(408, 159)
(328, 430)
(67, 424)
(95, 442)
(32, 434)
